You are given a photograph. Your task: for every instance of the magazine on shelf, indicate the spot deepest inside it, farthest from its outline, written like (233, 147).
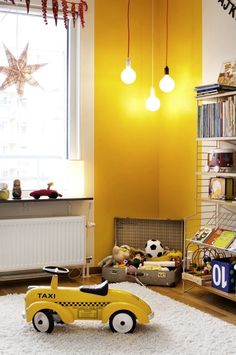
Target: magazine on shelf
(224, 239)
(202, 234)
(232, 246)
(213, 236)
(213, 89)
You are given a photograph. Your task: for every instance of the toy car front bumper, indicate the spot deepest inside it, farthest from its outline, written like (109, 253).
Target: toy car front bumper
(151, 315)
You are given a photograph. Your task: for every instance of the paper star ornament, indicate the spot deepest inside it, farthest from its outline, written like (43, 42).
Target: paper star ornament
(19, 72)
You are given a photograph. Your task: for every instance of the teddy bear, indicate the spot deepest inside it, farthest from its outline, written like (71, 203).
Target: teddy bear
(121, 254)
(118, 257)
(128, 256)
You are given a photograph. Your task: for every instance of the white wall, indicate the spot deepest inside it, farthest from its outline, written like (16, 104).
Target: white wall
(218, 38)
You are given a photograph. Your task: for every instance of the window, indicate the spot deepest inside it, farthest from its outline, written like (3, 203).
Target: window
(34, 126)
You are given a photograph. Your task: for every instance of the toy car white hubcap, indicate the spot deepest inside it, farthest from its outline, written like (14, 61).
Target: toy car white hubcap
(41, 322)
(122, 323)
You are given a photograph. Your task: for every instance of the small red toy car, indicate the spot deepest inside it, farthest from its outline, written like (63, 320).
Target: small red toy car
(45, 192)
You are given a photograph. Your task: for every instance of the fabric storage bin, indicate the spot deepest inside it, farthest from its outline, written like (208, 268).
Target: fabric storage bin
(223, 274)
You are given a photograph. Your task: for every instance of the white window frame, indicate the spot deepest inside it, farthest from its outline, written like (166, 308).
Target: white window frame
(73, 81)
(73, 93)
(80, 115)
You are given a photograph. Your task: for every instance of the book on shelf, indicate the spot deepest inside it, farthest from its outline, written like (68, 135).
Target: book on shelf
(213, 236)
(202, 234)
(217, 119)
(224, 239)
(232, 246)
(213, 89)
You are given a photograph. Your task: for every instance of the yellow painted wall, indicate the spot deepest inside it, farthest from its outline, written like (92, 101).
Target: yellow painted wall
(144, 162)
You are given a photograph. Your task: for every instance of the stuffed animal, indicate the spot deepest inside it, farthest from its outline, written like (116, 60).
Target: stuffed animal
(16, 191)
(136, 261)
(4, 192)
(127, 256)
(118, 257)
(108, 261)
(120, 254)
(123, 256)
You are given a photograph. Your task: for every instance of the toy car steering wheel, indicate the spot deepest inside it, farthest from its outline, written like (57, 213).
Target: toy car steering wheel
(56, 270)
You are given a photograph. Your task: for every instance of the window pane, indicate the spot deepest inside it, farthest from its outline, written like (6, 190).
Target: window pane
(33, 126)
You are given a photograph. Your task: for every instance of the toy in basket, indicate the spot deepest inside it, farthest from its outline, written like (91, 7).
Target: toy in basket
(152, 266)
(47, 305)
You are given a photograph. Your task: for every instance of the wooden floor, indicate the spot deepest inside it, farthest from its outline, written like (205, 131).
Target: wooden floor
(207, 302)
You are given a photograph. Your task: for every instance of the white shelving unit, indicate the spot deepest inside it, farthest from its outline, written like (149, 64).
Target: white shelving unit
(211, 212)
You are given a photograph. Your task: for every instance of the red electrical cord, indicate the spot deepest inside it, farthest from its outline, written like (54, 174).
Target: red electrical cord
(167, 29)
(128, 26)
(152, 40)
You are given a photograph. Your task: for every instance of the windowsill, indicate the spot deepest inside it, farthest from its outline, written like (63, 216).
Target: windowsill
(43, 199)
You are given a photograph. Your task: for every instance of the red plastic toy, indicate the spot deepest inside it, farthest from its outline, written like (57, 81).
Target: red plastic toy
(45, 192)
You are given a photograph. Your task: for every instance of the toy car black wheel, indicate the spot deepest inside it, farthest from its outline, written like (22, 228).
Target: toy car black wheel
(56, 270)
(43, 321)
(122, 322)
(53, 195)
(36, 196)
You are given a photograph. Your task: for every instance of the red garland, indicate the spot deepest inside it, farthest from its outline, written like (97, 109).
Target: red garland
(82, 7)
(65, 12)
(44, 10)
(55, 10)
(74, 14)
(77, 9)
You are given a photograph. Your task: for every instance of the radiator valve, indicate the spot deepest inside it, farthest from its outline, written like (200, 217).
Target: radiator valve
(90, 224)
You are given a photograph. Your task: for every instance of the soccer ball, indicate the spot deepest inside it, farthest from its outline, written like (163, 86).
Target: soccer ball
(154, 248)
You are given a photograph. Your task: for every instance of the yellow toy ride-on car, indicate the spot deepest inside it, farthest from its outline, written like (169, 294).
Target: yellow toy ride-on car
(47, 305)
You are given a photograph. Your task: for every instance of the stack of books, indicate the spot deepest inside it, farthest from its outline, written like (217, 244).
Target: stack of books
(211, 89)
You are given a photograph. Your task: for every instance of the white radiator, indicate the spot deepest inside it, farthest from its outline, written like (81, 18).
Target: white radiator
(32, 243)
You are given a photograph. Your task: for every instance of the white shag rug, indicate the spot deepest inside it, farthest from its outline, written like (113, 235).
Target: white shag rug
(176, 329)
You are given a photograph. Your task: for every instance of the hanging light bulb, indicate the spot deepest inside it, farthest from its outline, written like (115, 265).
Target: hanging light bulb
(153, 103)
(128, 75)
(167, 84)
